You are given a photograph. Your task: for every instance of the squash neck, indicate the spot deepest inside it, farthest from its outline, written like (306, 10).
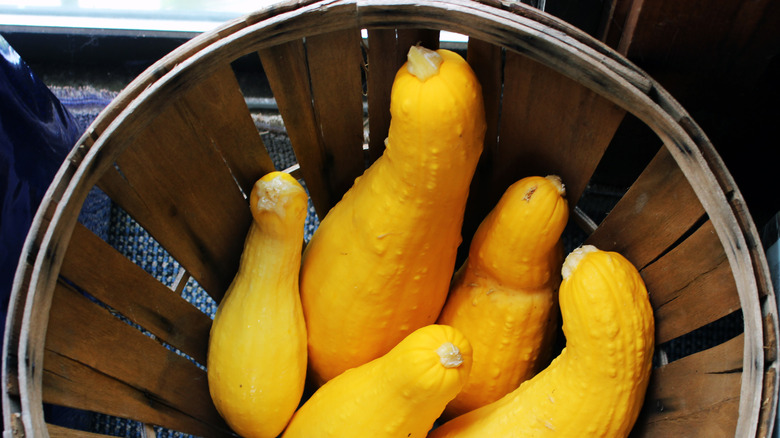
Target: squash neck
(519, 241)
(273, 248)
(439, 173)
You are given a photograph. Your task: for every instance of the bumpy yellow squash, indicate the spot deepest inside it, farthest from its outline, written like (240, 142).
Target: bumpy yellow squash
(380, 263)
(399, 394)
(257, 348)
(504, 297)
(596, 386)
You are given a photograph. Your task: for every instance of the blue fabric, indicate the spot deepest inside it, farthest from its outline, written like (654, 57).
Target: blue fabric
(36, 134)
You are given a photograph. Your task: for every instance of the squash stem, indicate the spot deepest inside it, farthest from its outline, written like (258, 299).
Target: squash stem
(272, 193)
(449, 355)
(574, 258)
(423, 63)
(558, 183)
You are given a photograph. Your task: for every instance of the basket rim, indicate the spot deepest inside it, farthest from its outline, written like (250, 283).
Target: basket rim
(517, 27)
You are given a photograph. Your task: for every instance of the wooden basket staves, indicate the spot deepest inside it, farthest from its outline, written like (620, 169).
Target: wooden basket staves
(178, 149)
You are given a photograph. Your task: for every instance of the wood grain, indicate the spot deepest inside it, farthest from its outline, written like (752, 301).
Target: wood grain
(63, 432)
(175, 182)
(487, 62)
(96, 362)
(686, 281)
(657, 210)
(285, 68)
(226, 122)
(335, 65)
(697, 396)
(551, 124)
(95, 267)
(548, 124)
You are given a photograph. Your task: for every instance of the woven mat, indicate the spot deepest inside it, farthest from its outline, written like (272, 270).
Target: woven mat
(117, 228)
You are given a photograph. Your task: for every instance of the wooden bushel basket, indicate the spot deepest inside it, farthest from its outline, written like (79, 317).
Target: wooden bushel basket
(177, 150)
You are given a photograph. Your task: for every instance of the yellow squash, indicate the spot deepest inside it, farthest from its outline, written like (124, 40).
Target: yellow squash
(596, 386)
(399, 394)
(257, 348)
(504, 297)
(380, 263)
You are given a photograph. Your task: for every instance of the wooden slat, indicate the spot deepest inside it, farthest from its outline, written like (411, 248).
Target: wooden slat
(768, 417)
(691, 286)
(387, 49)
(550, 124)
(95, 267)
(234, 133)
(71, 383)
(285, 68)
(428, 38)
(486, 61)
(658, 209)
(96, 362)
(335, 63)
(383, 62)
(174, 181)
(697, 396)
(622, 24)
(63, 432)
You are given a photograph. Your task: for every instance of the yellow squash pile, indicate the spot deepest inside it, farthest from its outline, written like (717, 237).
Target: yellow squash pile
(391, 334)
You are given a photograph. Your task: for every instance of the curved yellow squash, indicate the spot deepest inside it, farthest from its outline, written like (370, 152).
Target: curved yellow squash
(380, 263)
(596, 386)
(257, 347)
(396, 395)
(504, 297)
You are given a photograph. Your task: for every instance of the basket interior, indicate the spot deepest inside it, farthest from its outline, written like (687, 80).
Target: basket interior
(133, 301)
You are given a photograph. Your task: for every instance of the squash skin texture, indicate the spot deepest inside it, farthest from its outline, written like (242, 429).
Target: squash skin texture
(399, 394)
(380, 263)
(596, 386)
(257, 347)
(504, 297)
